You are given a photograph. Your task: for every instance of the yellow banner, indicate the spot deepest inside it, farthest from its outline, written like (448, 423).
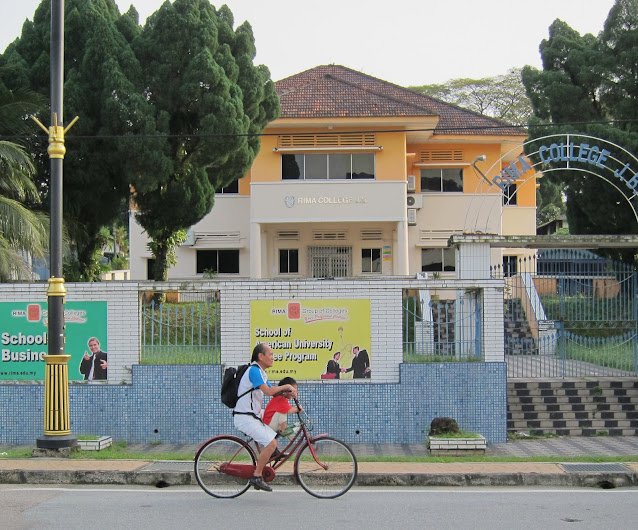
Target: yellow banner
(306, 334)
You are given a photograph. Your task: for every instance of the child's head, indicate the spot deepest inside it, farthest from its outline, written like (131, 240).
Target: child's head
(288, 381)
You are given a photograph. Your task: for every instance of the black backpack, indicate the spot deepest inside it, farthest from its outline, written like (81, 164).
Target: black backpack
(230, 385)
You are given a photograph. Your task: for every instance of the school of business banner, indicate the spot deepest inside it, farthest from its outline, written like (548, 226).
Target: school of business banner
(311, 338)
(24, 337)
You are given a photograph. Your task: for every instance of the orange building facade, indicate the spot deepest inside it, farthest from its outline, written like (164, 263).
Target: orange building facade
(359, 177)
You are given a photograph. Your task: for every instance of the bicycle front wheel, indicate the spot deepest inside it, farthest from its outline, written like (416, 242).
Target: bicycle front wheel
(326, 467)
(211, 459)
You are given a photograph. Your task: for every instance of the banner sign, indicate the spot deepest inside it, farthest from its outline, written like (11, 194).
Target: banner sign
(24, 339)
(312, 339)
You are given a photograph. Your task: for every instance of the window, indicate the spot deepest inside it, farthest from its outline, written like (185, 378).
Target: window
(220, 261)
(333, 166)
(233, 187)
(437, 259)
(510, 266)
(371, 260)
(509, 195)
(288, 261)
(150, 269)
(441, 179)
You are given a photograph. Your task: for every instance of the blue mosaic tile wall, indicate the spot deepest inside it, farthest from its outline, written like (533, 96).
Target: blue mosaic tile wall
(180, 404)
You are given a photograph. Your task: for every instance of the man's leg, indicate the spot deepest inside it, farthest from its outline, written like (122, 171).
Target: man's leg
(264, 457)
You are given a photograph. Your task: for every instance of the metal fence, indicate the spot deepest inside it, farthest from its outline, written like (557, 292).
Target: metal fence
(569, 313)
(442, 326)
(186, 331)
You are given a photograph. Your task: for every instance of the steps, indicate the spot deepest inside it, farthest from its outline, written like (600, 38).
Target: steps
(577, 407)
(516, 324)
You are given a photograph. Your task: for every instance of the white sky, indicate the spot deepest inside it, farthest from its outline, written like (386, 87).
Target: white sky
(407, 42)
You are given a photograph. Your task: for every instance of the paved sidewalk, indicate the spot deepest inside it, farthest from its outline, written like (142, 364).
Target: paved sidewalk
(173, 473)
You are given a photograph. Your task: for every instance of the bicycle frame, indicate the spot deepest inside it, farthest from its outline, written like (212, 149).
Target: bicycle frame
(302, 436)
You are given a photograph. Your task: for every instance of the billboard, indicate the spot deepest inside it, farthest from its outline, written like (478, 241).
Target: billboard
(314, 339)
(24, 340)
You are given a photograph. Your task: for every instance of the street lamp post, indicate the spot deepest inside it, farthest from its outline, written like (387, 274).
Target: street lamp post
(57, 428)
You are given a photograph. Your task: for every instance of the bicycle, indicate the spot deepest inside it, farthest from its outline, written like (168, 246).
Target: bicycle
(324, 467)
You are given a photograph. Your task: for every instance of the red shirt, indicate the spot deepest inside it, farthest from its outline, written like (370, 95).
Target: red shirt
(276, 404)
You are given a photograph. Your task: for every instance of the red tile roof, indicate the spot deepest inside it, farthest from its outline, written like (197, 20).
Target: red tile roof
(333, 91)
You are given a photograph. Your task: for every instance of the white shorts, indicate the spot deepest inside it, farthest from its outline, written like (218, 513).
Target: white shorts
(254, 428)
(277, 419)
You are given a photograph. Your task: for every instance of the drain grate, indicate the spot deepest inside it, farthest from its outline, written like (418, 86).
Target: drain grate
(596, 468)
(168, 465)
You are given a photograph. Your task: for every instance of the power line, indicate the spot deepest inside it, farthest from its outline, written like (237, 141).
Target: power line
(440, 130)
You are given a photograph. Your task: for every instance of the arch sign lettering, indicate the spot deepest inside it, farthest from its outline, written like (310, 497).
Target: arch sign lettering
(571, 152)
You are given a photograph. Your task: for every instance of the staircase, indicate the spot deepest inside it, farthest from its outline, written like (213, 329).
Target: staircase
(516, 323)
(581, 407)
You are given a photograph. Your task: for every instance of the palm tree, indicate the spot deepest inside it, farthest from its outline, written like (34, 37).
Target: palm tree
(23, 232)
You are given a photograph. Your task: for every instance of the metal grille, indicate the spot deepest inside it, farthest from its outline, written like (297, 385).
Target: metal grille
(596, 468)
(444, 329)
(569, 313)
(330, 262)
(185, 330)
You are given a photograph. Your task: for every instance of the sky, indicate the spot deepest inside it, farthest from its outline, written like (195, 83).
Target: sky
(406, 42)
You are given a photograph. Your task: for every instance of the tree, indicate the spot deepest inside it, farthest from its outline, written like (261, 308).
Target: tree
(589, 85)
(502, 97)
(23, 231)
(100, 70)
(174, 109)
(205, 104)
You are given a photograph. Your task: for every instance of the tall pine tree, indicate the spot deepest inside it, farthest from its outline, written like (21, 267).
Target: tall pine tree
(589, 85)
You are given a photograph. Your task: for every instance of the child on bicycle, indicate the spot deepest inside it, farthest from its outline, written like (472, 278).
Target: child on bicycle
(277, 410)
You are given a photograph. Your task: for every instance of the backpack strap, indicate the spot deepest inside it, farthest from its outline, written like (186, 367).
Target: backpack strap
(249, 391)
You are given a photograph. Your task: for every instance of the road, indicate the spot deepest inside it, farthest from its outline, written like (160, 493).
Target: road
(186, 508)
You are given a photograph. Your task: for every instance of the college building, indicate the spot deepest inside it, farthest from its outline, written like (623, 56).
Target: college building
(359, 177)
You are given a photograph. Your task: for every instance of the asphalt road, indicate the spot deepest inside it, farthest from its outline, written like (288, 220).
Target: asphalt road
(30, 507)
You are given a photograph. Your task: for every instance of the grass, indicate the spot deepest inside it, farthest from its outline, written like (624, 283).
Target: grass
(170, 354)
(460, 434)
(120, 451)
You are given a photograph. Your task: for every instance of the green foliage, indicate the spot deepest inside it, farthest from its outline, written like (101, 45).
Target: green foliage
(23, 227)
(460, 434)
(99, 66)
(174, 109)
(206, 103)
(586, 83)
(502, 97)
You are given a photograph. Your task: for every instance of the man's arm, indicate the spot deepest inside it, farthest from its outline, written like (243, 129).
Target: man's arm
(272, 390)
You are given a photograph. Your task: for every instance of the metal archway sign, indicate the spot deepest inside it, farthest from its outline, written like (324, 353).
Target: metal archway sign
(587, 155)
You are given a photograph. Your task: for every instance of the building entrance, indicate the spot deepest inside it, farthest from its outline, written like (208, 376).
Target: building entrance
(330, 262)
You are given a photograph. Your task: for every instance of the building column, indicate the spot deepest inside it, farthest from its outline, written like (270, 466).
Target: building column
(255, 251)
(402, 262)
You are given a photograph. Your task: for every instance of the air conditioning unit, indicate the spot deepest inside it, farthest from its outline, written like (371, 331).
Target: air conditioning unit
(411, 183)
(414, 201)
(411, 216)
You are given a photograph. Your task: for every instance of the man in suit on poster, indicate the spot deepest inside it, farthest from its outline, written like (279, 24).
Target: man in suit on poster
(360, 364)
(94, 366)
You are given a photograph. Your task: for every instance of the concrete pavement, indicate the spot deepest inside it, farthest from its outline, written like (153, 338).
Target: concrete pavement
(161, 473)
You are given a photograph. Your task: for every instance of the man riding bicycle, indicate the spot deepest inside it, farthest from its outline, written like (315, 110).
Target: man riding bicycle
(248, 412)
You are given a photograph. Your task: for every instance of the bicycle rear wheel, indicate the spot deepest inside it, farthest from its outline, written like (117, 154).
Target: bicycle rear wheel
(209, 460)
(332, 473)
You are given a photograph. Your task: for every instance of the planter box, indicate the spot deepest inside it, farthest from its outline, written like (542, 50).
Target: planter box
(440, 446)
(95, 445)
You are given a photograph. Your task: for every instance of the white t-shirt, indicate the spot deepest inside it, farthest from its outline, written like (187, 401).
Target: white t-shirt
(252, 402)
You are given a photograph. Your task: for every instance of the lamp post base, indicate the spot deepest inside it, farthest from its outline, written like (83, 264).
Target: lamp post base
(56, 442)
